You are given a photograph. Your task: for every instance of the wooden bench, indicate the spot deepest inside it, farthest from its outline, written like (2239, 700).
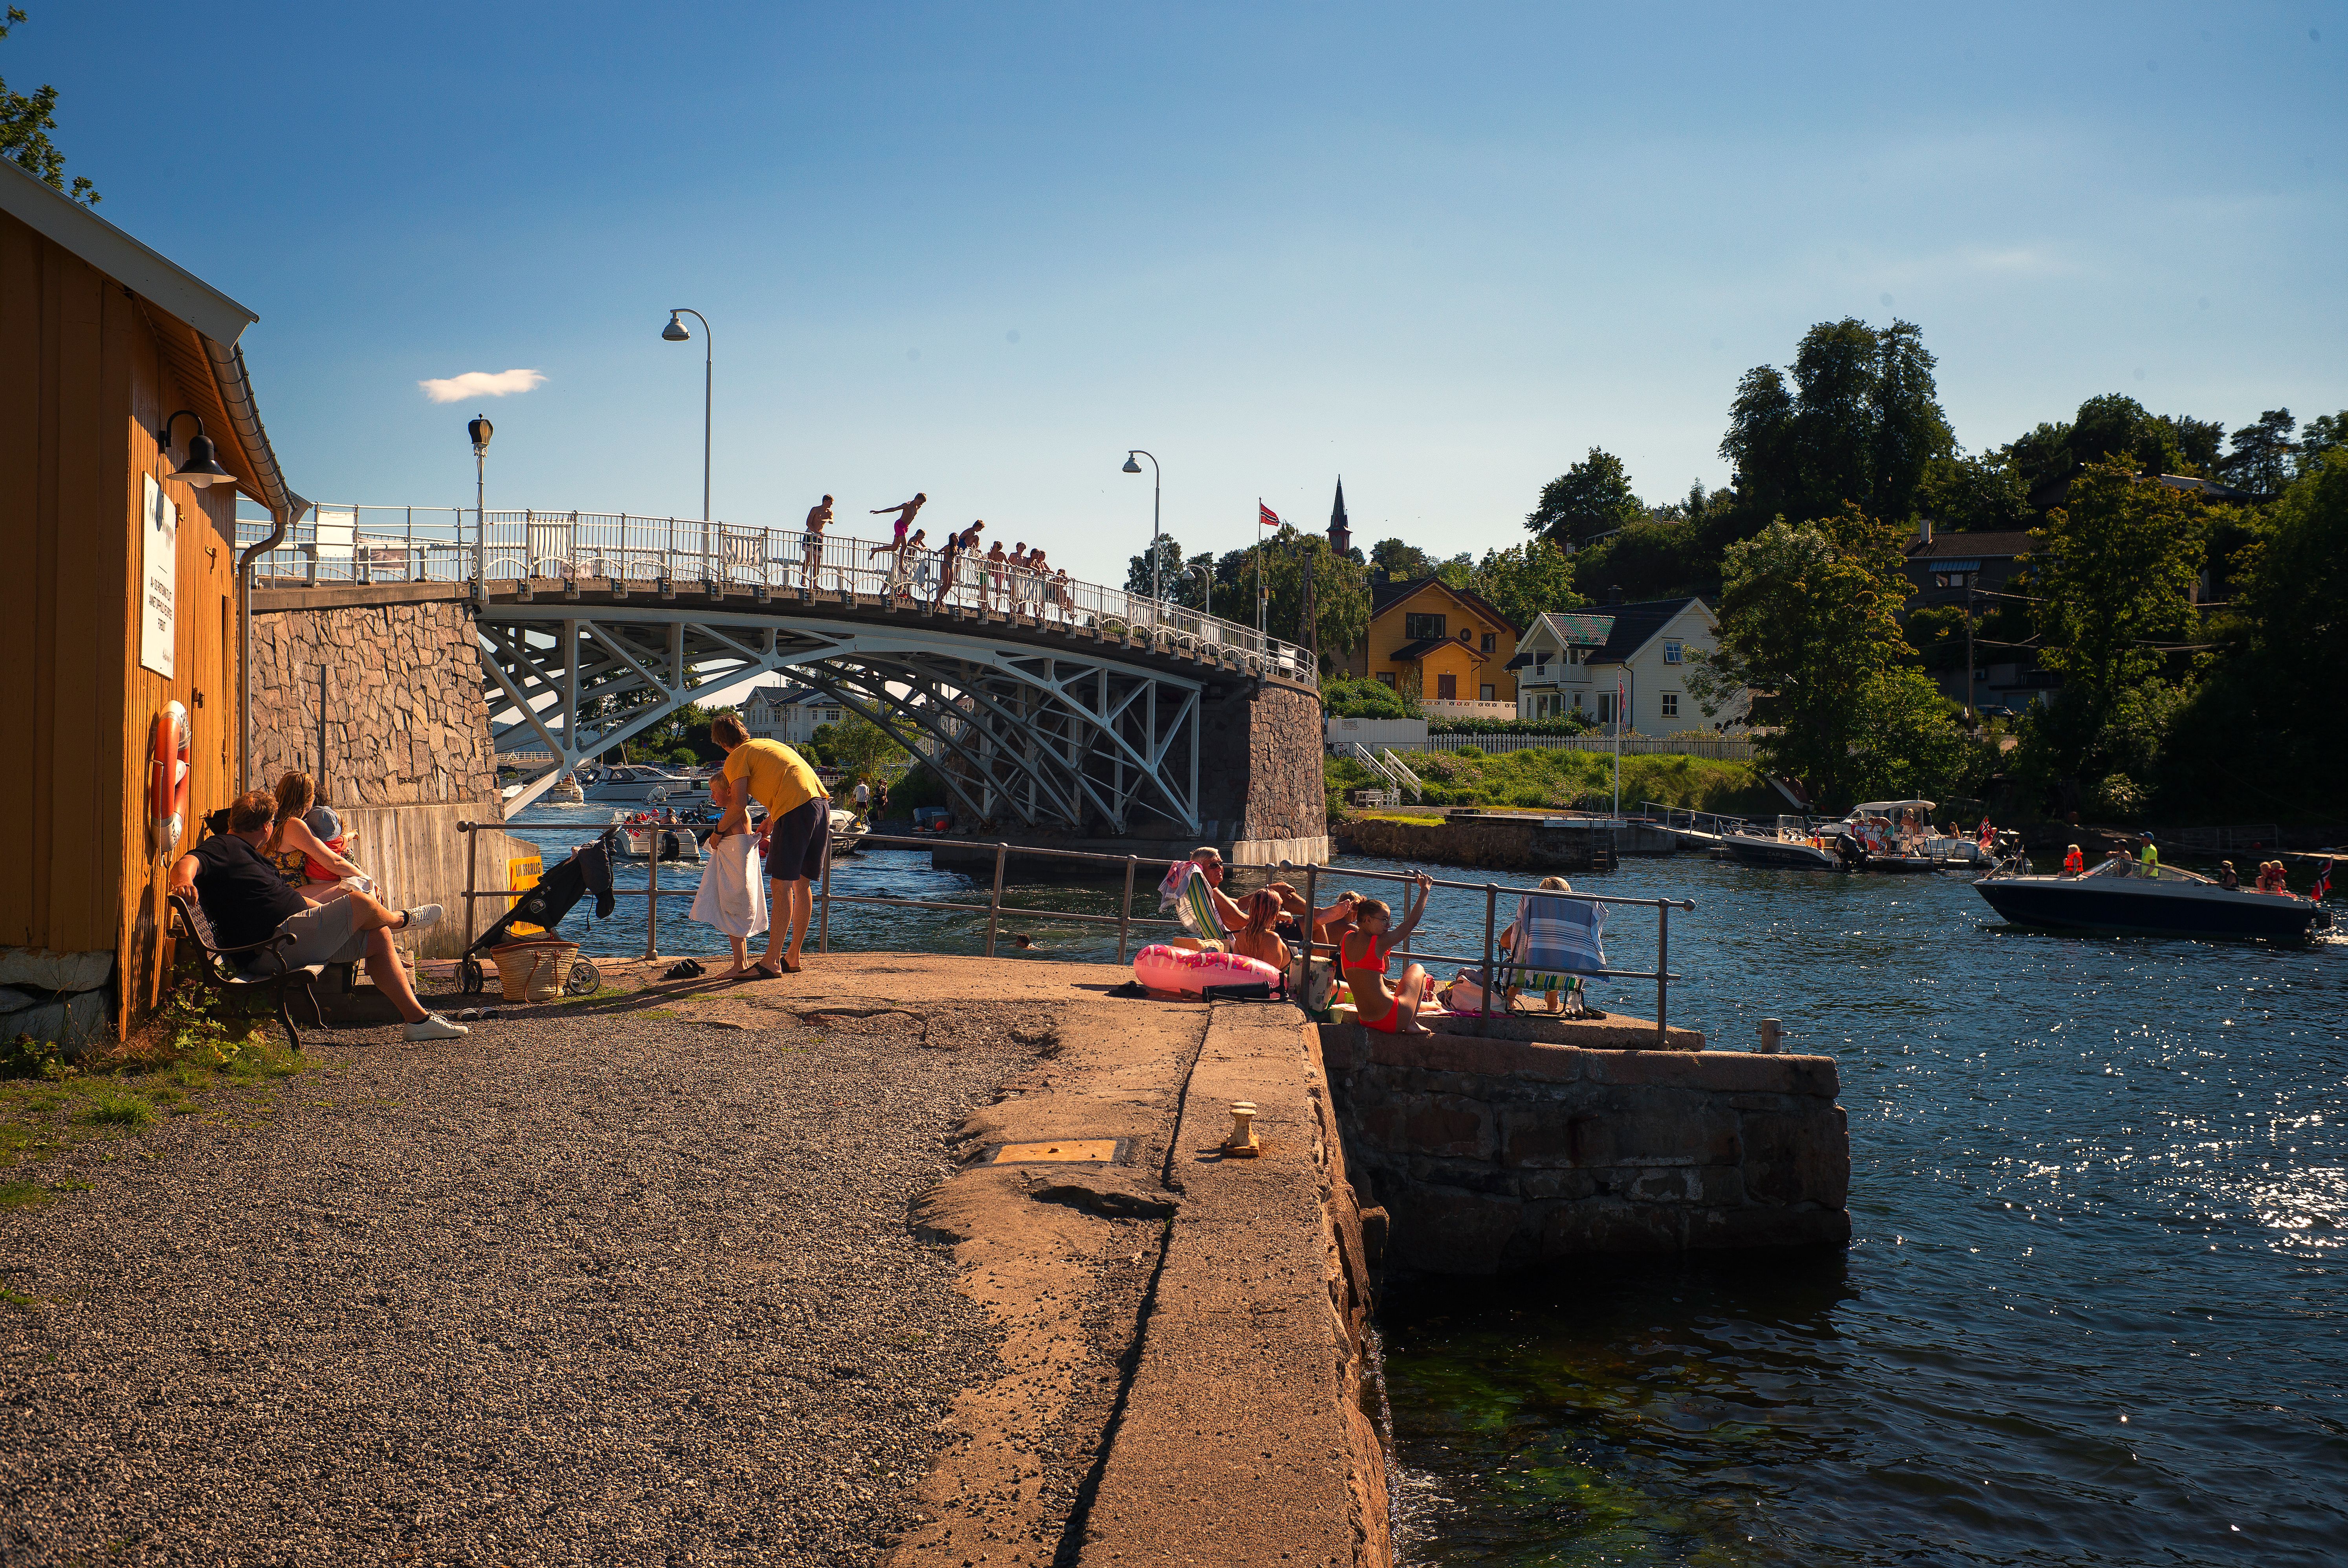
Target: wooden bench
(223, 973)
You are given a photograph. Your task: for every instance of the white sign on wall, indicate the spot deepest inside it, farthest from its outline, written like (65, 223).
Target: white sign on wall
(159, 576)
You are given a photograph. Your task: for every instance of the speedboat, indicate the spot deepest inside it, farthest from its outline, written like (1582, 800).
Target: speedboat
(637, 837)
(638, 784)
(846, 833)
(1868, 839)
(2115, 897)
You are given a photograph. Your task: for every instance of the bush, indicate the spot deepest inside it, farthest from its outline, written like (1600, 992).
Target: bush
(1571, 723)
(1345, 697)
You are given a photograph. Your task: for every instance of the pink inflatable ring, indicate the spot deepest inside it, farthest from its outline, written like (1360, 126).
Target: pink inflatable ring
(1187, 972)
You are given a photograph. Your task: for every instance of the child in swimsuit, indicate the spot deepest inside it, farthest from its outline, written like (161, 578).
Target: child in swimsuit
(1364, 953)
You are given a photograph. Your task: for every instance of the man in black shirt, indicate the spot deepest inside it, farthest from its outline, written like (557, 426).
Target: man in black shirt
(246, 901)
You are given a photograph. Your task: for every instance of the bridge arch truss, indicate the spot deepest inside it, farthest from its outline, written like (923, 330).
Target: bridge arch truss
(1037, 733)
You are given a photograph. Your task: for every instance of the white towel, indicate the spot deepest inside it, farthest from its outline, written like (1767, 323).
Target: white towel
(733, 892)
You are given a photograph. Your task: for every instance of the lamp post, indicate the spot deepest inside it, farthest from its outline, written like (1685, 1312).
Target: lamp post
(1157, 493)
(1206, 589)
(677, 332)
(480, 430)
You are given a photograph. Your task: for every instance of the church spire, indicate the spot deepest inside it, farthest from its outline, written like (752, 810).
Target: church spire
(1341, 537)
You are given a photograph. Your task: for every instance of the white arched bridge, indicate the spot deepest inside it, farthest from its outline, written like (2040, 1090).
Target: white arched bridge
(1042, 701)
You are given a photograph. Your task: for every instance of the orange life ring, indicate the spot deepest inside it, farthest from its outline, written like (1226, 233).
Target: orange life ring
(167, 774)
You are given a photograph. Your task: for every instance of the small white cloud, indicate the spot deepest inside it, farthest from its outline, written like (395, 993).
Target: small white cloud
(480, 384)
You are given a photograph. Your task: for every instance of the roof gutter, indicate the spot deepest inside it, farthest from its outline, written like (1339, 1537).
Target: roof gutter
(235, 385)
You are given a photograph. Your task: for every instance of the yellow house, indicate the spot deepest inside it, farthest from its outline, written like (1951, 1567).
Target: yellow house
(1443, 643)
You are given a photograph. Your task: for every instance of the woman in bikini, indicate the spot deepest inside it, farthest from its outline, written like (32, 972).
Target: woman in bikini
(1364, 953)
(1257, 939)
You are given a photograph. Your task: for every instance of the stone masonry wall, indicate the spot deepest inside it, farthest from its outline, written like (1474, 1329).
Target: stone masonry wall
(1260, 763)
(404, 720)
(1492, 1155)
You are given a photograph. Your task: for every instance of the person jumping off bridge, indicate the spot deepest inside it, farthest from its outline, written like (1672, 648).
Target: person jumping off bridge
(904, 510)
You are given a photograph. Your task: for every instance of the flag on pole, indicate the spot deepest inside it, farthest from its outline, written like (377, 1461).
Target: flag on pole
(2322, 888)
(1265, 516)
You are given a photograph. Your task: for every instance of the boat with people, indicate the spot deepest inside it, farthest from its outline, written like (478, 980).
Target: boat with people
(638, 836)
(1891, 835)
(2120, 896)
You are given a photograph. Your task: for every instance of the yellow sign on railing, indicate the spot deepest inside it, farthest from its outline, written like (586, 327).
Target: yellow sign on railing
(522, 871)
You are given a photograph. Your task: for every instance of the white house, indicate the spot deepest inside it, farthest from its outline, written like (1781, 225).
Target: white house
(788, 713)
(1576, 660)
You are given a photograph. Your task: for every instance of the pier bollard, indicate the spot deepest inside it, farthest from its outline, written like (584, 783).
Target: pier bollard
(1772, 1033)
(1242, 1144)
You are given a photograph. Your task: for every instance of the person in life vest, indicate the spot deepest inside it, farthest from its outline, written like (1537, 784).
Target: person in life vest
(2074, 864)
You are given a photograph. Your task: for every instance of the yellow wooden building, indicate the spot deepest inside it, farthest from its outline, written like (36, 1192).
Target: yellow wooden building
(1442, 644)
(120, 595)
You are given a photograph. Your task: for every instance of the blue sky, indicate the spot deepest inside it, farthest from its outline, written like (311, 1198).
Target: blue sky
(981, 251)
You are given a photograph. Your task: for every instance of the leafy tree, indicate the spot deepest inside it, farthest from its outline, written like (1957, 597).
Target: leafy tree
(1860, 425)
(1526, 580)
(1648, 560)
(2113, 428)
(1169, 564)
(2260, 459)
(2114, 579)
(1974, 496)
(1346, 696)
(24, 126)
(1400, 562)
(1340, 592)
(2265, 728)
(2317, 436)
(859, 748)
(1591, 497)
(1810, 645)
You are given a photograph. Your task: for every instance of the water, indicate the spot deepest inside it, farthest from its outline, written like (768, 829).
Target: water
(2092, 1312)
(2094, 1178)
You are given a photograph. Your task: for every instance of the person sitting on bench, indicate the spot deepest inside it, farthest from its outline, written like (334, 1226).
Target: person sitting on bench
(246, 901)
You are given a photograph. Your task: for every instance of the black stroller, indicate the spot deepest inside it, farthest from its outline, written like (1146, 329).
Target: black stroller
(588, 868)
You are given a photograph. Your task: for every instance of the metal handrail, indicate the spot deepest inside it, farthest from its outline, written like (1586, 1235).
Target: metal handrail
(1662, 974)
(355, 543)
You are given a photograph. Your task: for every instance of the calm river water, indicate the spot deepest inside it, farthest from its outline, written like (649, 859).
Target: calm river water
(2092, 1314)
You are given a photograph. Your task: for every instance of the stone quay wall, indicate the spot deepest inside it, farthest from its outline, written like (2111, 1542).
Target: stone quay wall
(1490, 842)
(1260, 756)
(404, 722)
(1493, 1155)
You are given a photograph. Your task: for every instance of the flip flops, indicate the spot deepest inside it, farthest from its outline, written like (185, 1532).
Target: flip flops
(684, 969)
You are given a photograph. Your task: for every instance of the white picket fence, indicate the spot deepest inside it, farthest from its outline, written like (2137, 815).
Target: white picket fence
(1719, 748)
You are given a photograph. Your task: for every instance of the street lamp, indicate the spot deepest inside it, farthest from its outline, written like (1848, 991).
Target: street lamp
(480, 430)
(677, 332)
(1206, 589)
(1157, 493)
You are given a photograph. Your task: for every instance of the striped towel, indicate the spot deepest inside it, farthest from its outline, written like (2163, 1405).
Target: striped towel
(1559, 939)
(1186, 893)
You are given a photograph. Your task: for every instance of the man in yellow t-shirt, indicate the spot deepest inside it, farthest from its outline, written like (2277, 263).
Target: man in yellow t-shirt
(797, 833)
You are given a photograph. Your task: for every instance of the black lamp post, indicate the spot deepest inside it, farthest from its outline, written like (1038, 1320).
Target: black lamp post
(480, 430)
(677, 332)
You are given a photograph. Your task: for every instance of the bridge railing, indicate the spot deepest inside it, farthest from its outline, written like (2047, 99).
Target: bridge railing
(354, 543)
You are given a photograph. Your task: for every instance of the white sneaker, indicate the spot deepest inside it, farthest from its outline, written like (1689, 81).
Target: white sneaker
(422, 916)
(432, 1026)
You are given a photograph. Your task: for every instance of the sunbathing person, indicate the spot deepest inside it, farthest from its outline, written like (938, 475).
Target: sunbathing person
(1196, 887)
(1364, 953)
(1540, 941)
(1256, 939)
(245, 901)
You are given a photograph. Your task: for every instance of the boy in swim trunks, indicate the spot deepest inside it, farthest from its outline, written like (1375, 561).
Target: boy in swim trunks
(1364, 953)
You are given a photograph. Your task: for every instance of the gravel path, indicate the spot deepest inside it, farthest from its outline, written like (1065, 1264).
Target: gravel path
(595, 1290)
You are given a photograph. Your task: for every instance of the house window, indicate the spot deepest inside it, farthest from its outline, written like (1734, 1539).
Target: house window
(1385, 679)
(1446, 688)
(1485, 693)
(1605, 707)
(1671, 653)
(1540, 664)
(1491, 641)
(1577, 699)
(1576, 656)
(1467, 634)
(1671, 705)
(1415, 627)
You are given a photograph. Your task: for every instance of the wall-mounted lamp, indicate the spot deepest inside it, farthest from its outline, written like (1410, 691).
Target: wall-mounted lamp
(202, 467)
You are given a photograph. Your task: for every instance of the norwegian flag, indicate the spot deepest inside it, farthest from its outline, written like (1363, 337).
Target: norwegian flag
(1265, 515)
(2322, 888)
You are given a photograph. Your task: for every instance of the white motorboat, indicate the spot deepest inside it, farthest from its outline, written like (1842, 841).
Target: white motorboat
(638, 784)
(2117, 897)
(636, 836)
(846, 833)
(1869, 838)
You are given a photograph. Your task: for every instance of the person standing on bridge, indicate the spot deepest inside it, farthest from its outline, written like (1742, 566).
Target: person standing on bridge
(811, 549)
(950, 563)
(901, 553)
(799, 831)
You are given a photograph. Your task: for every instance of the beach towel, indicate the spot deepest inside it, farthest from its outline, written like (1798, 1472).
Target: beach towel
(733, 892)
(1186, 893)
(1560, 940)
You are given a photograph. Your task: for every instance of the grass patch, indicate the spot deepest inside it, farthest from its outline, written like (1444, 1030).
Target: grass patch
(1560, 780)
(1402, 817)
(24, 1194)
(115, 1108)
(17, 1298)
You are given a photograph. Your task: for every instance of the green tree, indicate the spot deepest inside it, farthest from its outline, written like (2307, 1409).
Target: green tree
(26, 122)
(1346, 696)
(1526, 580)
(2317, 436)
(1591, 497)
(2114, 579)
(1170, 562)
(1397, 562)
(1341, 592)
(2260, 459)
(1810, 647)
(1860, 425)
(863, 750)
(1975, 496)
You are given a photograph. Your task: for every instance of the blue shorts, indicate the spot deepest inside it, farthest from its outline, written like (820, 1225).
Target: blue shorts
(795, 849)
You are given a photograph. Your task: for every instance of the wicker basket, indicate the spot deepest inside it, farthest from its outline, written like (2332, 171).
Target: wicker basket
(533, 971)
